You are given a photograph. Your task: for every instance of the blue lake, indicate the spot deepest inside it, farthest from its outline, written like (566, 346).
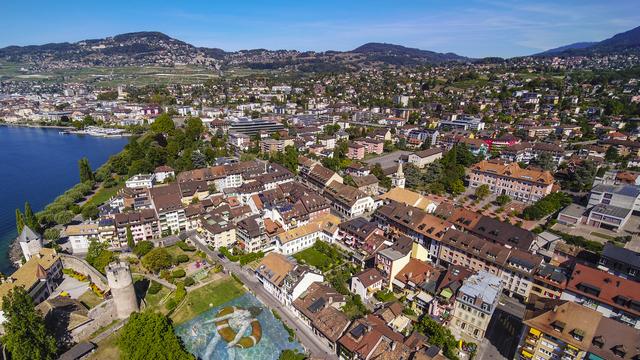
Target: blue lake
(198, 334)
(37, 165)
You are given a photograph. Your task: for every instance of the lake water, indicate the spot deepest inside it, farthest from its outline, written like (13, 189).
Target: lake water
(37, 165)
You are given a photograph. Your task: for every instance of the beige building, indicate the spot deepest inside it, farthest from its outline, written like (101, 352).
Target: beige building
(474, 306)
(509, 179)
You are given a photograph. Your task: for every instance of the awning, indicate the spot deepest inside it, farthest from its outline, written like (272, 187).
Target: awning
(527, 354)
(535, 332)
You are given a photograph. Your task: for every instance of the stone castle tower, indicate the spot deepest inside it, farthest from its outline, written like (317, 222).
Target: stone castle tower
(121, 284)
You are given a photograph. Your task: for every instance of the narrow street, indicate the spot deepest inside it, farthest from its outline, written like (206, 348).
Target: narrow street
(304, 334)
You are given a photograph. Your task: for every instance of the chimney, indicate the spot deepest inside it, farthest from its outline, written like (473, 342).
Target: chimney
(393, 345)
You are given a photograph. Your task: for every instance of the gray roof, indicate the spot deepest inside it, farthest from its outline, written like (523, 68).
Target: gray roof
(621, 254)
(611, 210)
(574, 210)
(27, 235)
(392, 254)
(624, 190)
(483, 285)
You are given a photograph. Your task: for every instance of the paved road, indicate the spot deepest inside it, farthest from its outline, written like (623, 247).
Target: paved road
(308, 340)
(503, 332)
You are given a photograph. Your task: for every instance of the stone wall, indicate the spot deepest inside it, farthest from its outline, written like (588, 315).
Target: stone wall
(83, 267)
(101, 315)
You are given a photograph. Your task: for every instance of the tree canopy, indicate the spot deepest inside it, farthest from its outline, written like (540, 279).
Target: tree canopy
(26, 336)
(150, 335)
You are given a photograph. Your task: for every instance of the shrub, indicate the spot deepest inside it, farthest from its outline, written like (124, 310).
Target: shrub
(52, 234)
(545, 206)
(182, 258)
(188, 281)
(184, 247)
(178, 273)
(142, 248)
(154, 288)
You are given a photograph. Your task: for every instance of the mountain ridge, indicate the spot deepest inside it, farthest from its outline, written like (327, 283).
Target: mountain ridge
(156, 48)
(625, 41)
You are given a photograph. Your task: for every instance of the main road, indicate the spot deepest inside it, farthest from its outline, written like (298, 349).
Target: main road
(308, 339)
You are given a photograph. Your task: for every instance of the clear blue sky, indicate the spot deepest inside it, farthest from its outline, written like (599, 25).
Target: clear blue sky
(474, 28)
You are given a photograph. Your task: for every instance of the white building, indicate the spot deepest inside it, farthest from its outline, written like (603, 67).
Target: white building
(80, 236)
(30, 242)
(163, 173)
(141, 181)
(367, 283)
(302, 237)
(283, 278)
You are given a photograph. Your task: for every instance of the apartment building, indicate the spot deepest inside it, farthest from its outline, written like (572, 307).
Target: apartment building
(559, 329)
(324, 228)
(477, 299)
(610, 295)
(509, 179)
(347, 200)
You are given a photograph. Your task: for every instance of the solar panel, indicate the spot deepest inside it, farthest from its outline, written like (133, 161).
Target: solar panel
(358, 330)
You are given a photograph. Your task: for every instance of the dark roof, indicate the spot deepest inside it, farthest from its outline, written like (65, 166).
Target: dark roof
(503, 233)
(611, 210)
(78, 351)
(621, 254)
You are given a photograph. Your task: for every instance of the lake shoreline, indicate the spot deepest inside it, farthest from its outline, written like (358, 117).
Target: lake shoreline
(74, 147)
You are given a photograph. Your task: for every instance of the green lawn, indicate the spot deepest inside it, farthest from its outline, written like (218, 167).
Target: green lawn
(107, 349)
(153, 300)
(200, 300)
(103, 194)
(313, 257)
(90, 299)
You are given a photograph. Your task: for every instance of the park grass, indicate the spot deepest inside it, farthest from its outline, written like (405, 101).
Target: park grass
(153, 300)
(103, 194)
(602, 236)
(107, 348)
(206, 297)
(90, 299)
(313, 257)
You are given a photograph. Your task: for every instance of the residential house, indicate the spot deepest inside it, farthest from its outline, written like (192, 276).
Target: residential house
(319, 308)
(367, 283)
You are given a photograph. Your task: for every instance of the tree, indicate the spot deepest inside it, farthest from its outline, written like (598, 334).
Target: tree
(289, 354)
(194, 128)
(30, 218)
(130, 241)
(457, 187)
(163, 124)
(150, 335)
(98, 256)
(86, 174)
(19, 221)
(52, 234)
(157, 259)
(612, 154)
(63, 217)
(90, 212)
(26, 336)
(142, 248)
(544, 161)
(503, 200)
(482, 191)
